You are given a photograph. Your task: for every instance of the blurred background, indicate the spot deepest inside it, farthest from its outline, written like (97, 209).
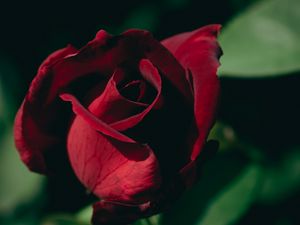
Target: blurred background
(254, 178)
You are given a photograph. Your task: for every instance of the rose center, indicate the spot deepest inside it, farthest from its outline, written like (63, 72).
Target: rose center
(135, 90)
(138, 91)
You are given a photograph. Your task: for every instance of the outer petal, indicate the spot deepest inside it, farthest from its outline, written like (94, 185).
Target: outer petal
(198, 53)
(110, 212)
(41, 120)
(192, 171)
(112, 169)
(30, 140)
(93, 121)
(174, 42)
(40, 123)
(161, 58)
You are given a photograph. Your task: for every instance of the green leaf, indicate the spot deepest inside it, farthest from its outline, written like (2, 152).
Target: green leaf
(63, 220)
(225, 135)
(18, 185)
(83, 217)
(262, 41)
(234, 201)
(153, 220)
(282, 180)
(217, 173)
(85, 214)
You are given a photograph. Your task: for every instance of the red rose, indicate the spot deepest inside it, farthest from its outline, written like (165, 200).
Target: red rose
(141, 112)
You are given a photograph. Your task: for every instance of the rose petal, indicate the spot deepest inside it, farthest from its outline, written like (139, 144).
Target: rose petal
(111, 106)
(135, 90)
(172, 43)
(40, 106)
(112, 169)
(94, 57)
(31, 146)
(198, 52)
(110, 213)
(191, 172)
(150, 73)
(92, 120)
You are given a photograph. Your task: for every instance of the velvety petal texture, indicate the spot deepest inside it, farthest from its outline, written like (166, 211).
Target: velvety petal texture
(128, 115)
(111, 169)
(198, 52)
(30, 138)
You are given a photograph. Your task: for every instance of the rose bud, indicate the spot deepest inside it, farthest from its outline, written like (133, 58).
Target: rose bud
(130, 114)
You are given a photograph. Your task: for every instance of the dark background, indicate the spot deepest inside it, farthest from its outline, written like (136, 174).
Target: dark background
(32, 30)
